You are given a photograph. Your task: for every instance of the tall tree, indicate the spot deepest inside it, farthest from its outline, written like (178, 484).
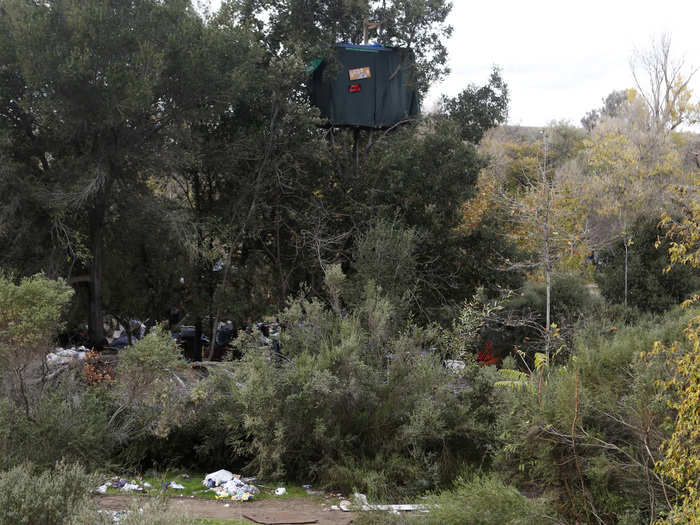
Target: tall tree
(663, 83)
(479, 108)
(88, 89)
(531, 184)
(308, 28)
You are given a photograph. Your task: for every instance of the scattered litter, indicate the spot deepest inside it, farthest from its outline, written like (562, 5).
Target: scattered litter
(306, 486)
(118, 483)
(176, 486)
(227, 505)
(455, 365)
(362, 504)
(360, 499)
(66, 355)
(147, 485)
(280, 491)
(131, 487)
(102, 489)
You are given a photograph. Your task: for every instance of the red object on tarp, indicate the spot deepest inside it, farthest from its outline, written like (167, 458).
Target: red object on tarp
(355, 88)
(485, 356)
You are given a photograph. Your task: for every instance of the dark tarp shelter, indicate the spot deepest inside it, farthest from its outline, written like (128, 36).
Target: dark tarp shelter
(374, 86)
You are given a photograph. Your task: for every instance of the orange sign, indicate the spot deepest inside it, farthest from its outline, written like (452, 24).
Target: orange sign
(360, 73)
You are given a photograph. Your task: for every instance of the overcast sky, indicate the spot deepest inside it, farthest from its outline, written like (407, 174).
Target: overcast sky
(560, 58)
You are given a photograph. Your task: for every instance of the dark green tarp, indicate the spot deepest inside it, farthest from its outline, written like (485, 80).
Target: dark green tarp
(345, 95)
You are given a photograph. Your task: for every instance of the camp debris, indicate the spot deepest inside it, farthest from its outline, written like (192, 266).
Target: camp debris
(217, 478)
(360, 503)
(62, 356)
(228, 485)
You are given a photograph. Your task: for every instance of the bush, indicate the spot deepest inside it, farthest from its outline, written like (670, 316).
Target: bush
(591, 431)
(649, 287)
(68, 424)
(570, 299)
(356, 402)
(152, 512)
(50, 497)
(29, 316)
(483, 500)
(570, 302)
(476, 500)
(385, 254)
(148, 388)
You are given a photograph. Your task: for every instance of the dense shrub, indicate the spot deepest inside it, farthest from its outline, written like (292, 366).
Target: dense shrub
(356, 402)
(148, 388)
(591, 431)
(484, 500)
(570, 302)
(475, 500)
(650, 288)
(68, 424)
(570, 299)
(51, 497)
(30, 312)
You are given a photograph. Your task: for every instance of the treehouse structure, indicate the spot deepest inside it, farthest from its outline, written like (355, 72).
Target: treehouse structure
(365, 86)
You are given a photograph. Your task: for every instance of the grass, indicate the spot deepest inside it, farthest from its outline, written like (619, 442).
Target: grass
(194, 488)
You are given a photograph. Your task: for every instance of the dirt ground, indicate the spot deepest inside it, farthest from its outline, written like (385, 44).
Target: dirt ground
(287, 511)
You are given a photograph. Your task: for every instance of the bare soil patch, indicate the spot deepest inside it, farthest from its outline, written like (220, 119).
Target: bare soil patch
(286, 511)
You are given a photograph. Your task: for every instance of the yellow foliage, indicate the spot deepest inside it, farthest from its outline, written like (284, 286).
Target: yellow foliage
(681, 462)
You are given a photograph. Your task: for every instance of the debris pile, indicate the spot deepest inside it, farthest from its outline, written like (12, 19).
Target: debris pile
(228, 485)
(61, 356)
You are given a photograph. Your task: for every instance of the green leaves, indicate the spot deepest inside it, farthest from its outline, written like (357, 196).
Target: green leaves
(29, 314)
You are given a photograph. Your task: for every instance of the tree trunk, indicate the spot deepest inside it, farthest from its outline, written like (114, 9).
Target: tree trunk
(626, 258)
(95, 316)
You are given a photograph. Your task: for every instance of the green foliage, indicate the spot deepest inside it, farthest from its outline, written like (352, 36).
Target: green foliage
(569, 295)
(650, 287)
(29, 317)
(570, 302)
(148, 385)
(51, 497)
(681, 463)
(69, 423)
(385, 254)
(29, 314)
(484, 500)
(591, 431)
(477, 109)
(354, 401)
(477, 500)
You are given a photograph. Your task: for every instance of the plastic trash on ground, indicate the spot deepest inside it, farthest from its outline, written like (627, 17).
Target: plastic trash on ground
(280, 491)
(360, 503)
(131, 487)
(236, 489)
(102, 489)
(218, 478)
(176, 486)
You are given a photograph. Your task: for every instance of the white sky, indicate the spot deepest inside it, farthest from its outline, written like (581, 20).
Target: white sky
(561, 58)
